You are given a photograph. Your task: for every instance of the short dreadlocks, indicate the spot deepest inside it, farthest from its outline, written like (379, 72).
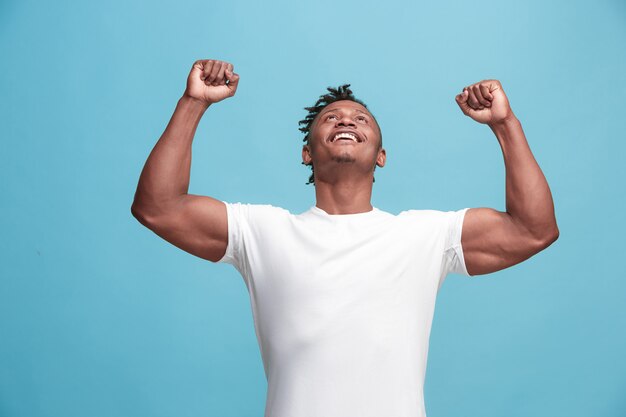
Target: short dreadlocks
(342, 92)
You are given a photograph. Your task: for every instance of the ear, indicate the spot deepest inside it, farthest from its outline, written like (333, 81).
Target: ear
(382, 158)
(306, 155)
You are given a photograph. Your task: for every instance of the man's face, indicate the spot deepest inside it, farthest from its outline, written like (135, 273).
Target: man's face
(344, 133)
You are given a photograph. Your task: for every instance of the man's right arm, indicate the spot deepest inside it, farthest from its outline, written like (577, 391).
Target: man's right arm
(196, 224)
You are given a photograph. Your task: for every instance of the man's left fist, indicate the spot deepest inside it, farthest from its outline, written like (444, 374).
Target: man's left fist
(485, 102)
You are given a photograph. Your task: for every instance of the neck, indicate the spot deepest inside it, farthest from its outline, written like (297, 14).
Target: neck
(346, 196)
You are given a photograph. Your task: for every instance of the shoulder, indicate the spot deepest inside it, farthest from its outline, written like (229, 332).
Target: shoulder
(255, 207)
(255, 212)
(431, 213)
(422, 214)
(436, 219)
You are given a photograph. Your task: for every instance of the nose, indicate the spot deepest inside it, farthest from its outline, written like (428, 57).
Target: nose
(345, 120)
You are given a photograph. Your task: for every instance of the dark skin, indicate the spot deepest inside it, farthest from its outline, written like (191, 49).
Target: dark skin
(344, 168)
(492, 240)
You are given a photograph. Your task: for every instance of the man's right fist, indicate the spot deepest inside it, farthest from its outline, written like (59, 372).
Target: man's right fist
(211, 81)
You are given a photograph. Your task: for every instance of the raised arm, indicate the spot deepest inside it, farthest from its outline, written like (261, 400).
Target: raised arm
(493, 240)
(196, 224)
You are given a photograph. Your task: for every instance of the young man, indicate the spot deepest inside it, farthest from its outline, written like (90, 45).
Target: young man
(343, 294)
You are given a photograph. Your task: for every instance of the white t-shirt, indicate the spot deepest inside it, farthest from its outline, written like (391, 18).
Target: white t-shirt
(343, 304)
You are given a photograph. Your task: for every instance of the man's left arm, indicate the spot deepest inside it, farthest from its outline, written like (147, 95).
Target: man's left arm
(493, 240)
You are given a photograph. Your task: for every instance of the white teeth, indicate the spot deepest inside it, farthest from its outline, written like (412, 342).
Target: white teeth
(345, 135)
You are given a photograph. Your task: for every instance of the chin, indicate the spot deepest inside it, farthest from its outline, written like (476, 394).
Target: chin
(344, 158)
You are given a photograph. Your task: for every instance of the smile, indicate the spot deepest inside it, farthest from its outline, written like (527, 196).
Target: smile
(346, 136)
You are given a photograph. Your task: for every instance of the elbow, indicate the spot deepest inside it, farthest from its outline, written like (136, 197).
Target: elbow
(134, 210)
(139, 214)
(549, 237)
(538, 241)
(147, 213)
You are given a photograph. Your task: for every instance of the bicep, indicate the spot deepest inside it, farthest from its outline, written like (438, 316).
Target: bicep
(196, 224)
(492, 241)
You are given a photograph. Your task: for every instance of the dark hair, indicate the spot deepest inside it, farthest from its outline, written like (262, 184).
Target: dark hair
(342, 92)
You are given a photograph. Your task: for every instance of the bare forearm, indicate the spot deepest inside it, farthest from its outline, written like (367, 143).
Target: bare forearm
(528, 197)
(165, 175)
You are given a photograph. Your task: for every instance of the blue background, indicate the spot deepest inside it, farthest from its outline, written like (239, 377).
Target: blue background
(101, 317)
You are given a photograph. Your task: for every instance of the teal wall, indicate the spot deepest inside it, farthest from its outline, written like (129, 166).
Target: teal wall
(100, 317)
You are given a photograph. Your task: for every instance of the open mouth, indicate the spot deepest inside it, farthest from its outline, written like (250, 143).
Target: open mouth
(345, 136)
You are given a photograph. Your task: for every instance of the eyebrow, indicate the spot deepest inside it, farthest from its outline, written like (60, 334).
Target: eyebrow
(357, 110)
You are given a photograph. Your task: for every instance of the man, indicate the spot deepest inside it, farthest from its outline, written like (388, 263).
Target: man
(343, 295)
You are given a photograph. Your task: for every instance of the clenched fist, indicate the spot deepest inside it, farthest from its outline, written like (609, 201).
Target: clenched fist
(211, 81)
(485, 102)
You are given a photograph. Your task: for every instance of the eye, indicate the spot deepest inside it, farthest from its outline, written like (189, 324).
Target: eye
(330, 115)
(361, 118)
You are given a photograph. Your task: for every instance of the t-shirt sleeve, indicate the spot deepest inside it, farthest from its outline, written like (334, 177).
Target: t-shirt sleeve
(454, 261)
(238, 223)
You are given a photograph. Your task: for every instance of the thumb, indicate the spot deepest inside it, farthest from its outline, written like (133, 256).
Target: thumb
(233, 79)
(461, 100)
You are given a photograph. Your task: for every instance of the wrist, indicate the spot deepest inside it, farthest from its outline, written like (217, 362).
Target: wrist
(507, 123)
(193, 103)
